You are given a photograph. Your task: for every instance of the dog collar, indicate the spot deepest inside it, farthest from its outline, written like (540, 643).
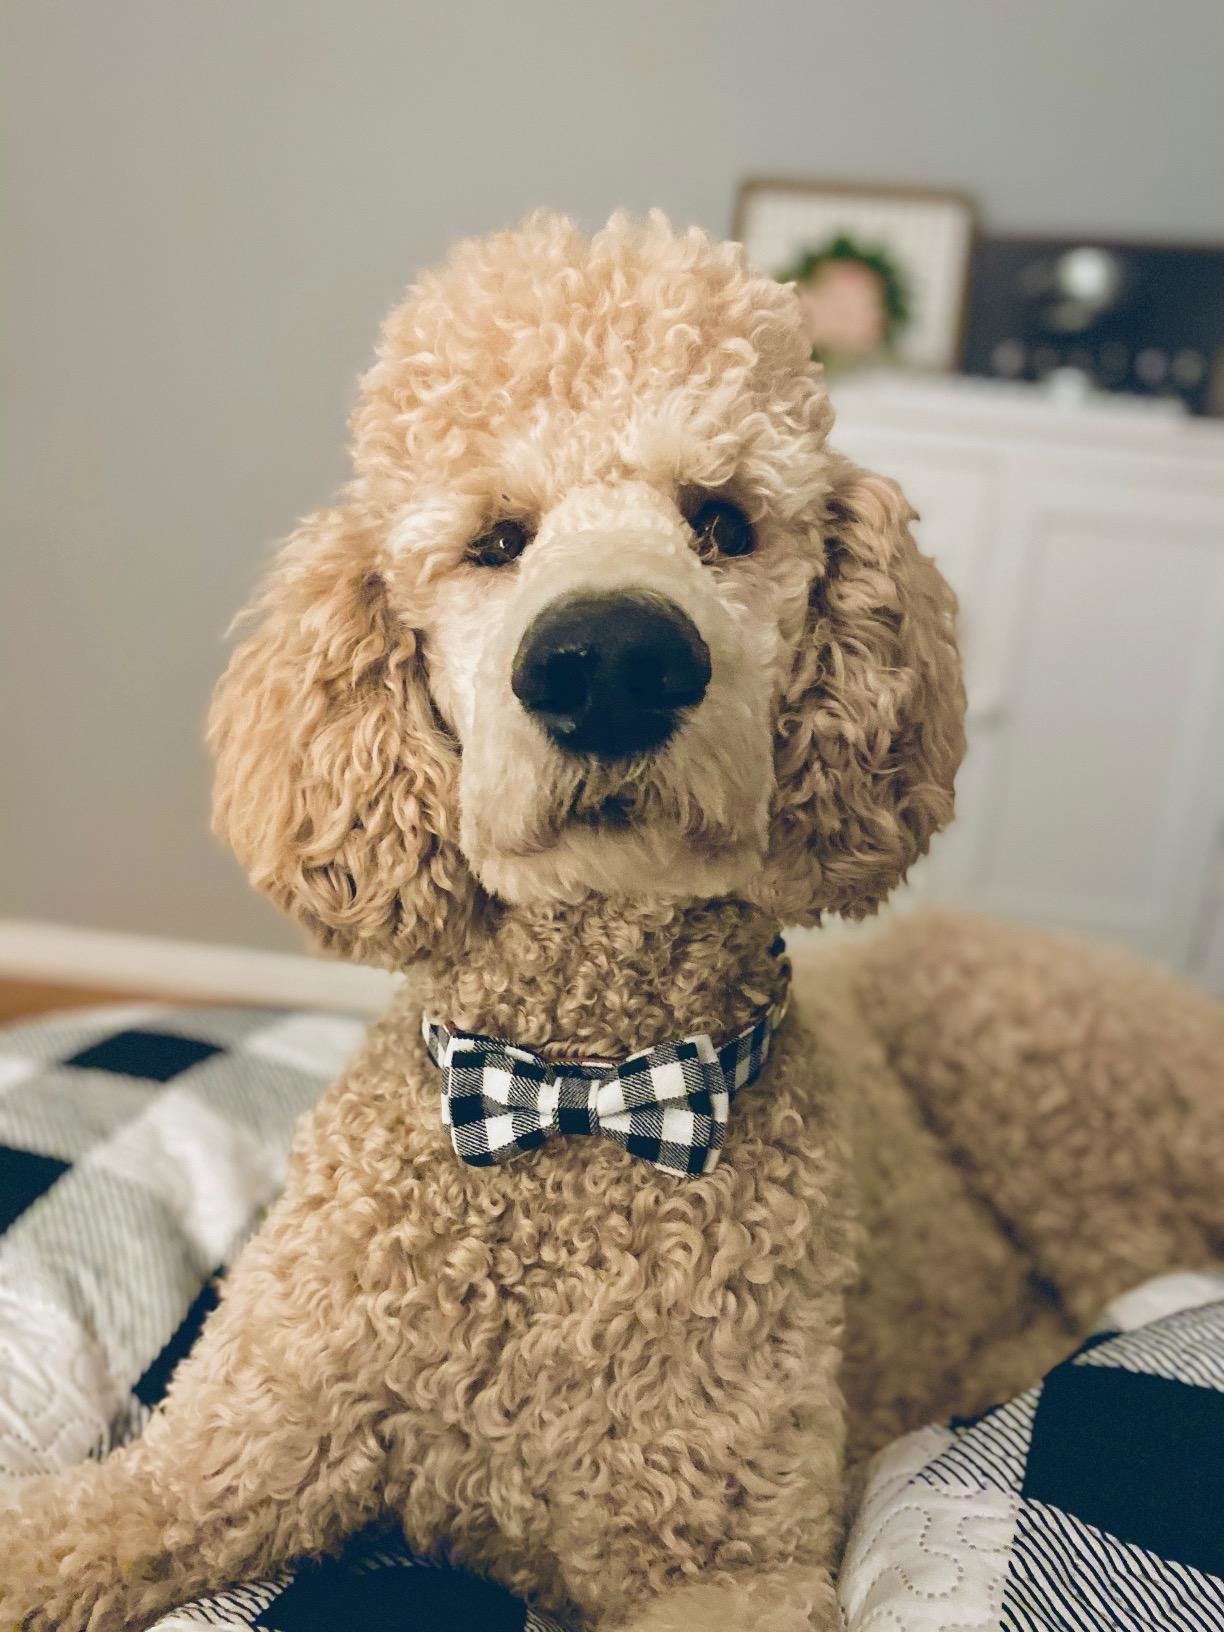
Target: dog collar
(668, 1104)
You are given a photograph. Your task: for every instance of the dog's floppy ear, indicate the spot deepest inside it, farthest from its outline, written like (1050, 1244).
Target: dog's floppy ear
(336, 787)
(870, 730)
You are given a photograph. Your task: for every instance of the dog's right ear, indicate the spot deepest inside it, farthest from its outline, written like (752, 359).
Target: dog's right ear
(336, 786)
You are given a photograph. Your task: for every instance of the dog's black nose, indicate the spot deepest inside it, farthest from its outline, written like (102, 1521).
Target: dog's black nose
(608, 674)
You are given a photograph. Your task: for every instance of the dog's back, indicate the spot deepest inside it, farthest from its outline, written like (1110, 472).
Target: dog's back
(1038, 1124)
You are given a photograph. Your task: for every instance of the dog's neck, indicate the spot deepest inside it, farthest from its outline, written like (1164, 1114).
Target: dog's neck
(604, 977)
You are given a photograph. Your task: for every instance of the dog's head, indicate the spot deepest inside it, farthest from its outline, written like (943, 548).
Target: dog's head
(600, 612)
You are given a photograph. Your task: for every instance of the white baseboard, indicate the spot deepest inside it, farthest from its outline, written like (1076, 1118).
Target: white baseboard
(194, 969)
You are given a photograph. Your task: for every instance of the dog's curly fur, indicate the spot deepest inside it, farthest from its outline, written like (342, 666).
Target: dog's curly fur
(619, 1393)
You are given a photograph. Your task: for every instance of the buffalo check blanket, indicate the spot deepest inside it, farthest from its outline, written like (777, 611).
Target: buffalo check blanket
(138, 1150)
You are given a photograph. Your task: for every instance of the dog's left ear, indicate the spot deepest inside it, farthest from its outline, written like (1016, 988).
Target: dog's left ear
(870, 730)
(336, 786)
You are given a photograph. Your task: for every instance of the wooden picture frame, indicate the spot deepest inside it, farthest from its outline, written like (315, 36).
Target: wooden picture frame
(927, 233)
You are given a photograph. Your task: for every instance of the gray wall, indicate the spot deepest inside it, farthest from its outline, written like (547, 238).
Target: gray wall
(209, 203)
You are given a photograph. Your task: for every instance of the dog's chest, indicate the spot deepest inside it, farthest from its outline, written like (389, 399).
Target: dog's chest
(611, 1341)
(608, 1304)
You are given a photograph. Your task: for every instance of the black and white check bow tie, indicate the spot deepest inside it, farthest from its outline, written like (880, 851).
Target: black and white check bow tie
(668, 1104)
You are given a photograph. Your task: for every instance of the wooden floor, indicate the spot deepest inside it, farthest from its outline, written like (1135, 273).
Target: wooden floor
(20, 999)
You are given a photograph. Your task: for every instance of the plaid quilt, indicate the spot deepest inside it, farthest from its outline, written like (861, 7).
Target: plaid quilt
(138, 1149)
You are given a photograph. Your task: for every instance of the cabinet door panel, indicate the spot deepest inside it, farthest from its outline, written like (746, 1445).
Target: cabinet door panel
(1104, 783)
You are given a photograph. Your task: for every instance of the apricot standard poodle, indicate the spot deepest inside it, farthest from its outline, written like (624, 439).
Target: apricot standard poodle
(604, 667)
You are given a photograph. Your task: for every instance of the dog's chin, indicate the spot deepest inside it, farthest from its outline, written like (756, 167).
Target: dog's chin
(686, 822)
(606, 853)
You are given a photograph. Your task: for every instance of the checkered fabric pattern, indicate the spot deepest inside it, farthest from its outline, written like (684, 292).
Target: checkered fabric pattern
(138, 1149)
(1093, 1502)
(669, 1104)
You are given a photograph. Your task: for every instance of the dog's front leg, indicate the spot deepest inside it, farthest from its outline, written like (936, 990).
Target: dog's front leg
(260, 1453)
(791, 1598)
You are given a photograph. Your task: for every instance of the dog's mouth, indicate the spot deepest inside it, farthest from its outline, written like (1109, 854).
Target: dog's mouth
(635, 809)
(587, 810)
(636, 825)
(612, 813)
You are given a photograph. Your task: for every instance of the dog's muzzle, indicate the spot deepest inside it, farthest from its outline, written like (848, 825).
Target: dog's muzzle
(610, 674)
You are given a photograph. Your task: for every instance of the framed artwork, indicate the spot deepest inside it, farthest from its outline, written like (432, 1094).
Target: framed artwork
(881, 271)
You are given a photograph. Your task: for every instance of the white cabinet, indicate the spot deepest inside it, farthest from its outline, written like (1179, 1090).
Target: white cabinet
(1088, 551)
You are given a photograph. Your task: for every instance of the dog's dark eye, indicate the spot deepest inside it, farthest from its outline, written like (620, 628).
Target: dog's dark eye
(722, 528)
(503, 543)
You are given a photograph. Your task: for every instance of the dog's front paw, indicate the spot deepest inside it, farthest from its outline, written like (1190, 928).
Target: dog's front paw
(57, 1570)
(34, 1595)
(47, 1595)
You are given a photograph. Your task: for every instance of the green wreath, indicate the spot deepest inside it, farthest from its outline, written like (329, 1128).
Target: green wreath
(844, 248)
